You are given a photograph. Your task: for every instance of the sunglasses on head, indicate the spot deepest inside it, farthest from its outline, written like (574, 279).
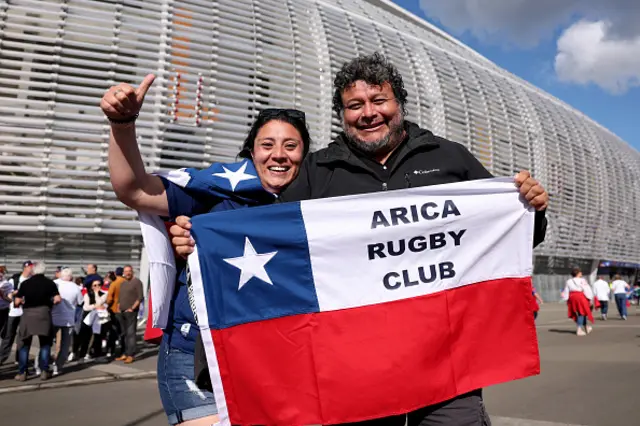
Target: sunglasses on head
(275, 112)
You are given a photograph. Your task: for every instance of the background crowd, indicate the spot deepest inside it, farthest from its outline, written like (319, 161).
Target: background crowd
(583, 299)
(74, 317)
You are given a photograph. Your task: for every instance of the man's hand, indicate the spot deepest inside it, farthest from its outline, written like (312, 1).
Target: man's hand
(181, 237)
(123, 101)
(17, 301)
(57, 299)
(531, 190)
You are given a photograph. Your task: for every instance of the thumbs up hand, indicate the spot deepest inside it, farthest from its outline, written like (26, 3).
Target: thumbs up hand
(122, 102)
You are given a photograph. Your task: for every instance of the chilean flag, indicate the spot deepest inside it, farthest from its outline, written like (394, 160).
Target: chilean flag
(352, 308)
(237, 182)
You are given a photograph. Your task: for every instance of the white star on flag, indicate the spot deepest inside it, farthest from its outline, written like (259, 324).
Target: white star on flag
(251, 264)
(235, 177)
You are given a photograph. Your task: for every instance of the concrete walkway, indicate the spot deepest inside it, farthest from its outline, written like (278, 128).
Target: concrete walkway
(101, 370)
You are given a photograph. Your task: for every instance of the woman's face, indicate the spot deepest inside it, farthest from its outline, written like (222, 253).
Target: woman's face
(96, 285)
(277, 154)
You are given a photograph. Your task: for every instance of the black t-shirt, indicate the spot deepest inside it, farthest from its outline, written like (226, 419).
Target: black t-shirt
(37, 291)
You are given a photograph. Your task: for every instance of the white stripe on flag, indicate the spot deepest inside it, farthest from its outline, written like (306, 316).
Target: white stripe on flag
(355, 243)
(207, 339)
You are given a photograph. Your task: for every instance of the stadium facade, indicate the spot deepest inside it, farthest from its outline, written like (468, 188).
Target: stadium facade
(218, 63)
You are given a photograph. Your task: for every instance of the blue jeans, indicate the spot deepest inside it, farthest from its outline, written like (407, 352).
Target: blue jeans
(581, 321)
(45, 351)
(621, 303)
(604, 307)
(181, 398)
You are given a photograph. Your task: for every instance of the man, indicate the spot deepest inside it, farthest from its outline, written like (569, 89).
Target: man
(377, 151)
(36, 296)
(56, 275)
(620, 289)
(113, 301)
(602, 292)
(129, 305)
(92, 275)
(15, 312)
(63, 315)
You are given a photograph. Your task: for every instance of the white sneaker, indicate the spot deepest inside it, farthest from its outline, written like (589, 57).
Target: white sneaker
(624, 317)
(87, 357)
(38, 371)
(70, 357)
(589, 329)
(580, 332)
(55, 370)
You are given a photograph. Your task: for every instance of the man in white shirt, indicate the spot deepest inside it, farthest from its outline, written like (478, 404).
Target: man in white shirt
(603, 292)
(620, 288)
(11, 328)
(63, 315)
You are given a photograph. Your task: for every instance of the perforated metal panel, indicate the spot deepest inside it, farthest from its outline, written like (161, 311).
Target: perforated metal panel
(217, 64)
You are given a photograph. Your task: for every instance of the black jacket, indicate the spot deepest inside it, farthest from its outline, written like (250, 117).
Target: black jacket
(422, 159)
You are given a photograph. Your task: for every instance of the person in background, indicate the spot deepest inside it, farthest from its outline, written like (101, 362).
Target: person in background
(15, 312)
(113, 301)
(129, 304)
(36, 296)
(63, 315)
(538, 301)
(108, 279)
(94, 301)
(619, 287)
(603, 294)
(578, 305)
(92, 275)
(75, 345)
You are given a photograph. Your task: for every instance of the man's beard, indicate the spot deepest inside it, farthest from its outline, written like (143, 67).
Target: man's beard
(382, 146)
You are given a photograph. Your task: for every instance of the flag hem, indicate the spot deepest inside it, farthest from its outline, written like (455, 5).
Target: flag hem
(207, 339)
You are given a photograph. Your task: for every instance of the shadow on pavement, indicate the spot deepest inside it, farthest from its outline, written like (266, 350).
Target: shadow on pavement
(561, 331)
(144, 418)
(9, 370)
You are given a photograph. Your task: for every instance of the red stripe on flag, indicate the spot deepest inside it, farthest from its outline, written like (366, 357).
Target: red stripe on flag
(375, 361)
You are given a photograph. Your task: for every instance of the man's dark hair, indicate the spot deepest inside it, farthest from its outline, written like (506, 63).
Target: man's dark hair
(372, 69)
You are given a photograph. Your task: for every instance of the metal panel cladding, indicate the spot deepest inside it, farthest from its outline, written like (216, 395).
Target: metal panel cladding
(219, 62)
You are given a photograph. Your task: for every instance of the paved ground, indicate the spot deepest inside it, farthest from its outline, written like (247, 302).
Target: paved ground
(586, 381)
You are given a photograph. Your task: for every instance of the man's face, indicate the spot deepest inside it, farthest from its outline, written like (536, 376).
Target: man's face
(372, 117)
(27, 271)
(127, 273)
(91, 269)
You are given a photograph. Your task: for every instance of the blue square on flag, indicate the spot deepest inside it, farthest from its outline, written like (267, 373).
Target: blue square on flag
(267, 275)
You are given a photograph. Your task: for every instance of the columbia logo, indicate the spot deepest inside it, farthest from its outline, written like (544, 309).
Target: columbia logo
(425, 172)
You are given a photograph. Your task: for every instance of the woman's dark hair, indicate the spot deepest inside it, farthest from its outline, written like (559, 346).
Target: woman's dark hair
(292, 116)
(575, 272)
(112, 276)
(372, 69)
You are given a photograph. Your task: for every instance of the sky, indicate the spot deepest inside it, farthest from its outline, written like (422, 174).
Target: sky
(584, 52)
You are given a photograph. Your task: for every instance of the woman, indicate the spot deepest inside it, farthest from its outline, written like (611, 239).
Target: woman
(578, 304)
(94, 317)
(276, 144)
